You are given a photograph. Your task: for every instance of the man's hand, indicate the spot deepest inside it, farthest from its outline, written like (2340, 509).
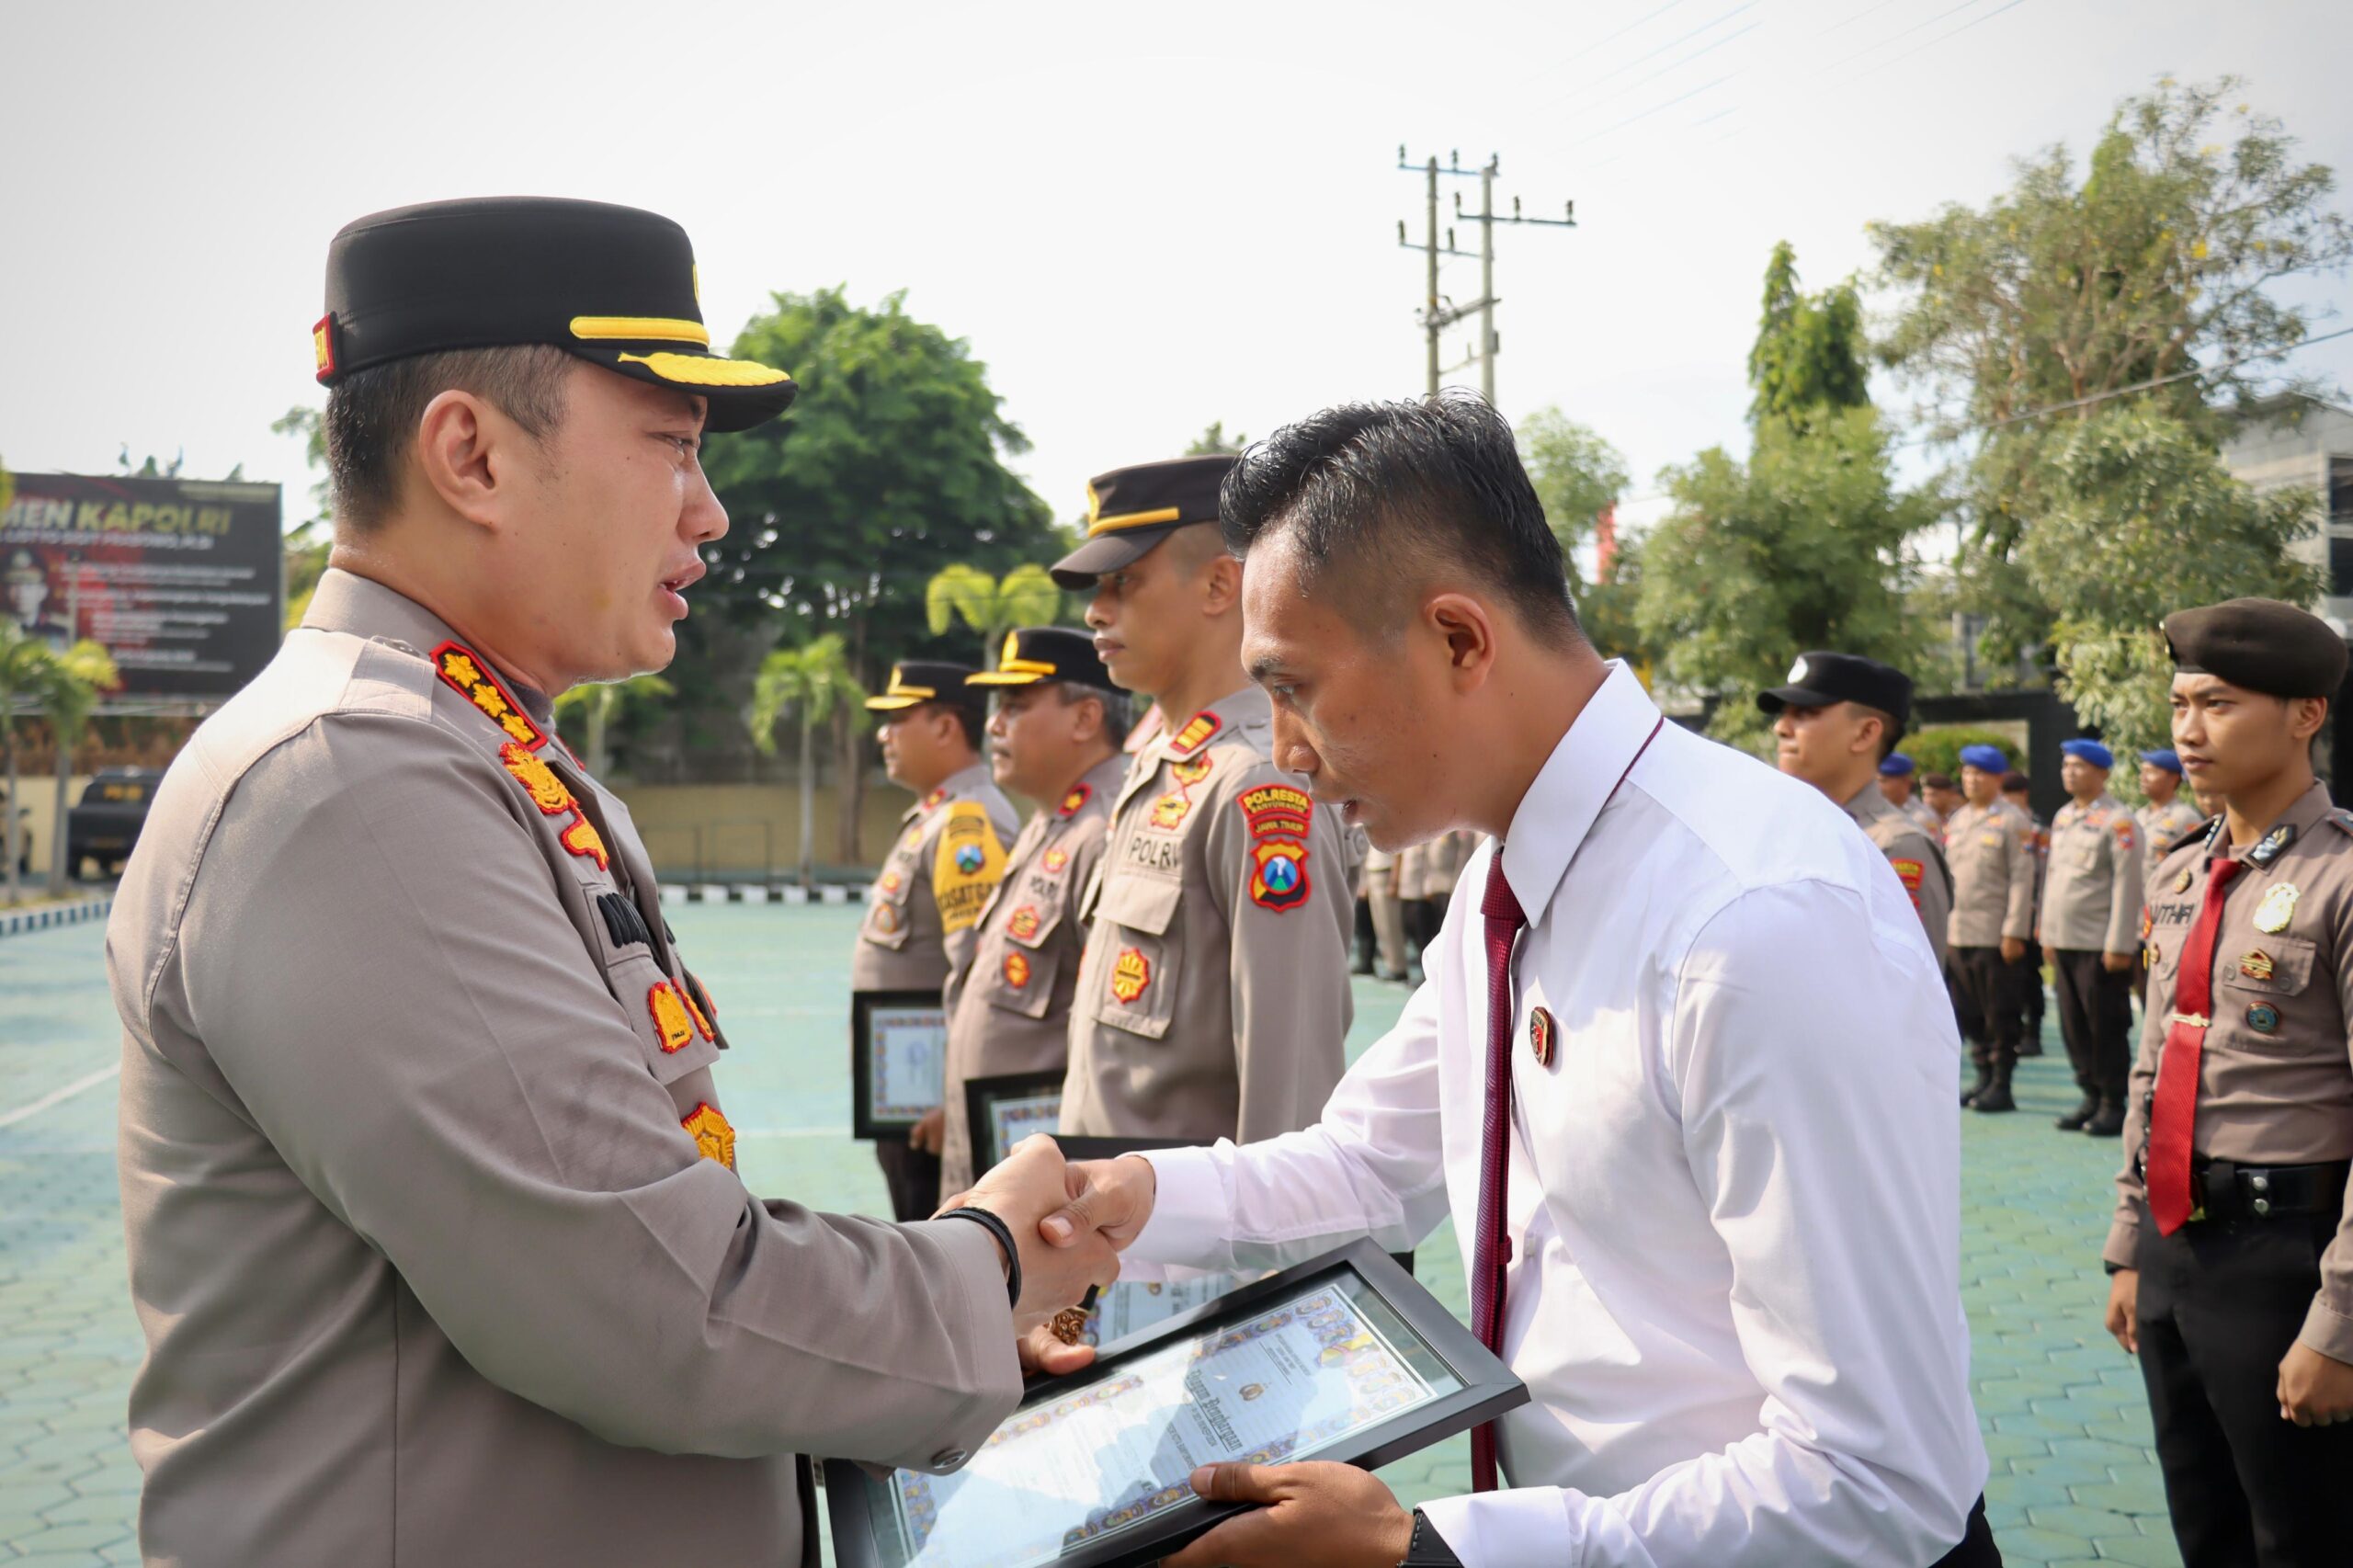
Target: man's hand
(2013, 949)
(1043, 1356)
(2116, 963)
(2123, 1302)
(2050, 955)
(1112, 1199)
(1316, 1515)
(2315, 1389)
(1033, 1182)
(924, 1137)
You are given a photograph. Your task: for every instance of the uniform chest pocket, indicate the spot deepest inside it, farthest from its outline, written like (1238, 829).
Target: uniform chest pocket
(1032, 915)
(1140, 959)
(674, 1033)
(886, 906)
(2271, 966)
(1020, 980)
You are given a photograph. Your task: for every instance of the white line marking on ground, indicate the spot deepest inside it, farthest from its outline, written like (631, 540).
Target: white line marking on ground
(58, 1096)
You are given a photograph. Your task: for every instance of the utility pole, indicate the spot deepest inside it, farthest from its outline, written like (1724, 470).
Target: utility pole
(1437, 313)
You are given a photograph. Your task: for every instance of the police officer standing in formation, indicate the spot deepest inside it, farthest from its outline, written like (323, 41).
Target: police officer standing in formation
(1989, 844)
(2090, 927)
(1833, 724)
(921, 909)
(1896, 776)
(1054, 739)
(2231, 1249)
(434, 1225)
(1213, 996)
(2019, 790)
(2170, 812)
(1941, 796)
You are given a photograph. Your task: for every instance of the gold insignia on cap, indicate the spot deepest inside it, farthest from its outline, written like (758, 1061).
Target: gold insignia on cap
(2278, 907)
(641, 329)
(705, 371)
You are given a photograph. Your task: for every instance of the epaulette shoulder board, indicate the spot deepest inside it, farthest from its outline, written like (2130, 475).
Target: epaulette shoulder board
(2213, 831)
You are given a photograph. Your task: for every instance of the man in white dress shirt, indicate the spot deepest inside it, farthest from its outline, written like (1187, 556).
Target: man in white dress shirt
(1724, 1250)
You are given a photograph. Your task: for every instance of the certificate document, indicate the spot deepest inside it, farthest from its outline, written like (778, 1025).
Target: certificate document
(1014, 1119)
(906, 1057)
(1129, 1308)
(1098, 1458)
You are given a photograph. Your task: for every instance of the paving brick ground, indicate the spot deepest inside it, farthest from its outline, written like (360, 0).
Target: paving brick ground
(2062, 1407)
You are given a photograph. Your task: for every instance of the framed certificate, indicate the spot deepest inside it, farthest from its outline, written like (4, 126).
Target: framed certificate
(1344, 1357)
(1003, 1111)
(898, 1060)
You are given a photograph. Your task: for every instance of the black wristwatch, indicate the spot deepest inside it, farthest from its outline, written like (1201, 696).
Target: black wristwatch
(1428, 1549)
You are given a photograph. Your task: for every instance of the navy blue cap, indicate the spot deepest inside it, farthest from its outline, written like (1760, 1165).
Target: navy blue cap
(1984, 758)
(2169, 761)
(2086, 750)
(1897, 765)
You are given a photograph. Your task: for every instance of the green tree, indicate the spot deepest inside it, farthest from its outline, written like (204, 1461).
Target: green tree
(1025, 596)
(891, 466)
(2163, 258)
(25, 663)
(1213, 438)
(71, 686)
(1810, 348)
(308, 543)
(1577, 475)
(812, 682)
(596, 703)
(2126, 487)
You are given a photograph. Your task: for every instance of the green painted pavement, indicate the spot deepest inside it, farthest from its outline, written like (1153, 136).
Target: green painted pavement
(2061, 1406)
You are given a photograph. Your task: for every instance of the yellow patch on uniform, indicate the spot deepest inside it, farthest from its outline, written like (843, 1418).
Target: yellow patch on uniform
(1130, 973)
(1076, 800)
(670, 1021)
(1196, 734)
(1192, 770)
(1279, 874)
(884, 918)
(1055, 860)
(2256, 965)
(1023, 924)
(967, 866)
(2124, 833)
(890, 882)
(1017, 970)
(2181, 882)
(1909, 872)
(538, 780)
(2278, 907)
(462, 672)
(582, 838)
(714, 1138)
(1278, 809)
(1169, 810)
(702, 1024)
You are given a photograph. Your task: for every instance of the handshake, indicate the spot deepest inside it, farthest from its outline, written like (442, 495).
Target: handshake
(1070, 1223)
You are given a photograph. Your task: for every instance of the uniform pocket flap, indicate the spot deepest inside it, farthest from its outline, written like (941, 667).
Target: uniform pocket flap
(2277, 966)
(674, 1033)
(1140, 904)
(1020, 980)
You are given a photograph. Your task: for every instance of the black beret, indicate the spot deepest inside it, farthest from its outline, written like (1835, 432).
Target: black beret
(613, 285)
(1821, 678)
(914, 681)
(2261, 645)
(1129, 510)
(1033, 654)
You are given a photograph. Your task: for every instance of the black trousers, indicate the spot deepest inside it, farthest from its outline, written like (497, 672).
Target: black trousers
(912, 1177)
(2096, 1020)
(2221, 1301)
(1976, 1548)
(1996, 994)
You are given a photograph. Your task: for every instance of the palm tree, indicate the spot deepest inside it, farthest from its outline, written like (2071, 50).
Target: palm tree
(1026, 596)
(598, 703)
(75, 680)
(24, 677)
(811, 681)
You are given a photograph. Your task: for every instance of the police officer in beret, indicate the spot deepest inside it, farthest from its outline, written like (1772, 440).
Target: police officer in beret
(924, 908)
(1054, 739)
(2170, 813)
(1989, 844)
(1898, 775)
(2090, 927)
(434, 1224)
(1834, 725)
(2232, 1248)
(1213, 996)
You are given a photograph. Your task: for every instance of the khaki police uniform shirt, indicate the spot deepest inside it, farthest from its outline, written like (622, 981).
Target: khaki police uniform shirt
(433, 1226)
(2275, 1080)
(1925, 815)
(1011, 1006)
(1918, 864)
(2091, 893)
(1214, 997)
(2162, 827)
(1991, 851)
(924, 908)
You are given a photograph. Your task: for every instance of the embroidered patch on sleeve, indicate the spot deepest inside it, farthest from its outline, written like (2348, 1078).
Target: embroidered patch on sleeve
(1196, 734)
(1277, 809)
(670, 1021)
(966, 867)
(1075, 801)
(1277, 874)
(1017, 970)
(472, 679)
(1130, 973)
(714, 1138)
(2124, 833)
(1910, 872)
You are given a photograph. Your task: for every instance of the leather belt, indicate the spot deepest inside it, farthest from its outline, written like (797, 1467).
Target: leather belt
(2222, 1189)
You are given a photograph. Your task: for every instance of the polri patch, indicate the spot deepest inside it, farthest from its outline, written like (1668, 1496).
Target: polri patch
(1017, 970)
(1168, 812)
(1054, 861)
(1541, 1033)
(1022, 924)
(1131, 974)
(465, 674)
(1278, 810)
(714, 1138)
(1278, 878)
(1192, 770)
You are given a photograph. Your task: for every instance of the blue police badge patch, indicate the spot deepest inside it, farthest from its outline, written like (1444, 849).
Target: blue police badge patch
(2263, 1019)
(969, 859)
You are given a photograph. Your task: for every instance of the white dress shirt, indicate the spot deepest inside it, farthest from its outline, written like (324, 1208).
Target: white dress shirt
(1735, 1205)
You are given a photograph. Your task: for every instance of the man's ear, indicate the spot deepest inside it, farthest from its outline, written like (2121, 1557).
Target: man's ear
(1469, 633)
(1221, 583)
(2306, 715)
(464, 452)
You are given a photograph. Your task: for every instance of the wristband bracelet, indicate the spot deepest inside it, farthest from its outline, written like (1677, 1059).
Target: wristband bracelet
(1004, 1235)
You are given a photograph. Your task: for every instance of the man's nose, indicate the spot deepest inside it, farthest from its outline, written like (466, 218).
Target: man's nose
(1098, 613)
(705, 518)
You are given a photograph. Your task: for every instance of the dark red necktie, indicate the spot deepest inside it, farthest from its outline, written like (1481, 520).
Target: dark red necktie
(1492, 1249)
(2174, 1114)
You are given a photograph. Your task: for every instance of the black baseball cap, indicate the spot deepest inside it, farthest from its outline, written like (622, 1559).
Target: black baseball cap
(613, 285)
(916, 681)
(1034, 653)
(1820, 679)
(1129, 510)
(2261, 645)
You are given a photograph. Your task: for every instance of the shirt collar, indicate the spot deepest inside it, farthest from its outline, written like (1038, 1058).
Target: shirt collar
(1868, 804)
(1574, 783)
(361, 606)
(2303, 815)
(1242, 710)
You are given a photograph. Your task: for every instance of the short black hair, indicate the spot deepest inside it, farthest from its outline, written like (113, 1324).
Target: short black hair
(1118, 720)
(972, 718)
(1891, 729)
(1937, 782)
(2016, 783)
(371, 414)
(1383, 492)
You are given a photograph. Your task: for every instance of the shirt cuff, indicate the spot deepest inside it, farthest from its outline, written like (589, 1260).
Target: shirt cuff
(2329, 1330)
(1495, 1529)
(2123, 1247)
(1191, 1220)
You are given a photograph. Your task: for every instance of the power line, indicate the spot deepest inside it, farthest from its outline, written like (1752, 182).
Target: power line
(1616, 71)
(1941, 37)
(1437, 313)
(1895, 37)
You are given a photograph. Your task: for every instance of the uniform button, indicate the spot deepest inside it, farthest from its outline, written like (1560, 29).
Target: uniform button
(2260, 1183)
(947, 1458)
(2262, 1207)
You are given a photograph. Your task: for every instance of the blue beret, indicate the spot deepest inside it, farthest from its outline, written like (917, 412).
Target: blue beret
(1984, 758)
(2089, 750)
(1897, 765)
(2169, 761)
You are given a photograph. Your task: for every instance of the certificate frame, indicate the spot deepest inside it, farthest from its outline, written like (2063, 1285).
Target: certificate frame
(1488, 1389)
(1086, 1146)
(868, 1120)
(983, 1096)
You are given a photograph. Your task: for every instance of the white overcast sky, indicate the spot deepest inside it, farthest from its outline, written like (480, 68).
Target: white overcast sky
(1142, 218)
